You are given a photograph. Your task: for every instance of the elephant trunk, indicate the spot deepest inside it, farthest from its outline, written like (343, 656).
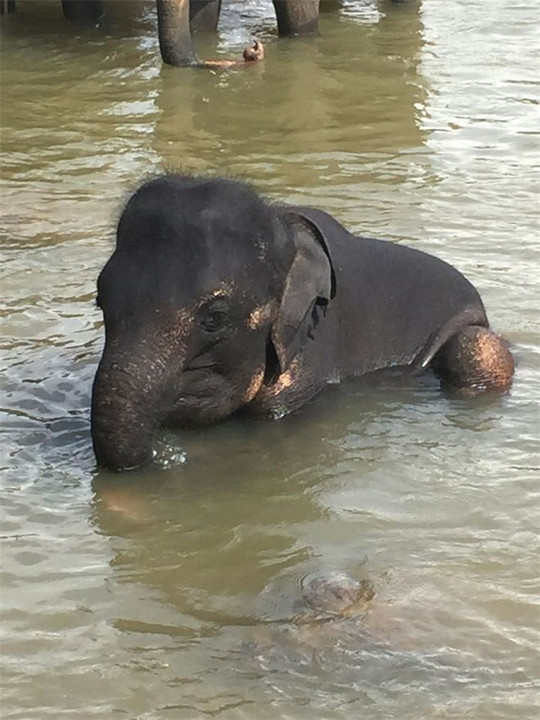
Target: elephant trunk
(128, 400)
(174, 33)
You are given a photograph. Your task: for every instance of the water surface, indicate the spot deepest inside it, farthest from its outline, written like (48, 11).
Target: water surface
(172, 593)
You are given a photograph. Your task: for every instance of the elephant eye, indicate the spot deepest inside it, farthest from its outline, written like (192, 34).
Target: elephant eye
(214, 320)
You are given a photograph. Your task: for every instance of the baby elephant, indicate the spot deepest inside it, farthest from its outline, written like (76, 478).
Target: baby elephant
(216, 301)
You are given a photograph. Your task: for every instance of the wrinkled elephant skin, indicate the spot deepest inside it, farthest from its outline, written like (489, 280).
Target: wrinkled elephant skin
(216, 301)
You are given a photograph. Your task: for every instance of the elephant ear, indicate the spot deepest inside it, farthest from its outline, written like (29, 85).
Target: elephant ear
(309, 284)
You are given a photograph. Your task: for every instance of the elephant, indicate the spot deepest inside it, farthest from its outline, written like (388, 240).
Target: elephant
(217, 302)
(177, 18)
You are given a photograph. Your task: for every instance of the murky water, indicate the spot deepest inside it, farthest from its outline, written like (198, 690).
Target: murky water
(172, 593)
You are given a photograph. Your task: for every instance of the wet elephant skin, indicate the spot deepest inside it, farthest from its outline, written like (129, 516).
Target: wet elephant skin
(216, 301)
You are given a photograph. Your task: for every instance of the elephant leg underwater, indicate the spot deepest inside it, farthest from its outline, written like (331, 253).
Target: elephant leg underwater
(297, 17)
(475, 360)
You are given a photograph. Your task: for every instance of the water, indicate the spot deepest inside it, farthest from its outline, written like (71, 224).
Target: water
(171, 593)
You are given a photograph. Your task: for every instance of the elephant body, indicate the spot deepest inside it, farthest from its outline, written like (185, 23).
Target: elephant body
(216, 302)
(379, 318)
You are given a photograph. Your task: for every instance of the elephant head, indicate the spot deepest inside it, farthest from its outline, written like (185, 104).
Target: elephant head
(206, 299)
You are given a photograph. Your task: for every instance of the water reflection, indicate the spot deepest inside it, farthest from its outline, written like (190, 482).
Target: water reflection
(245, 508)
(303, 97)
(217, 547)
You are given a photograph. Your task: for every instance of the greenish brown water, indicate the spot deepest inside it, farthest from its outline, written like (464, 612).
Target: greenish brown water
(171, 593)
